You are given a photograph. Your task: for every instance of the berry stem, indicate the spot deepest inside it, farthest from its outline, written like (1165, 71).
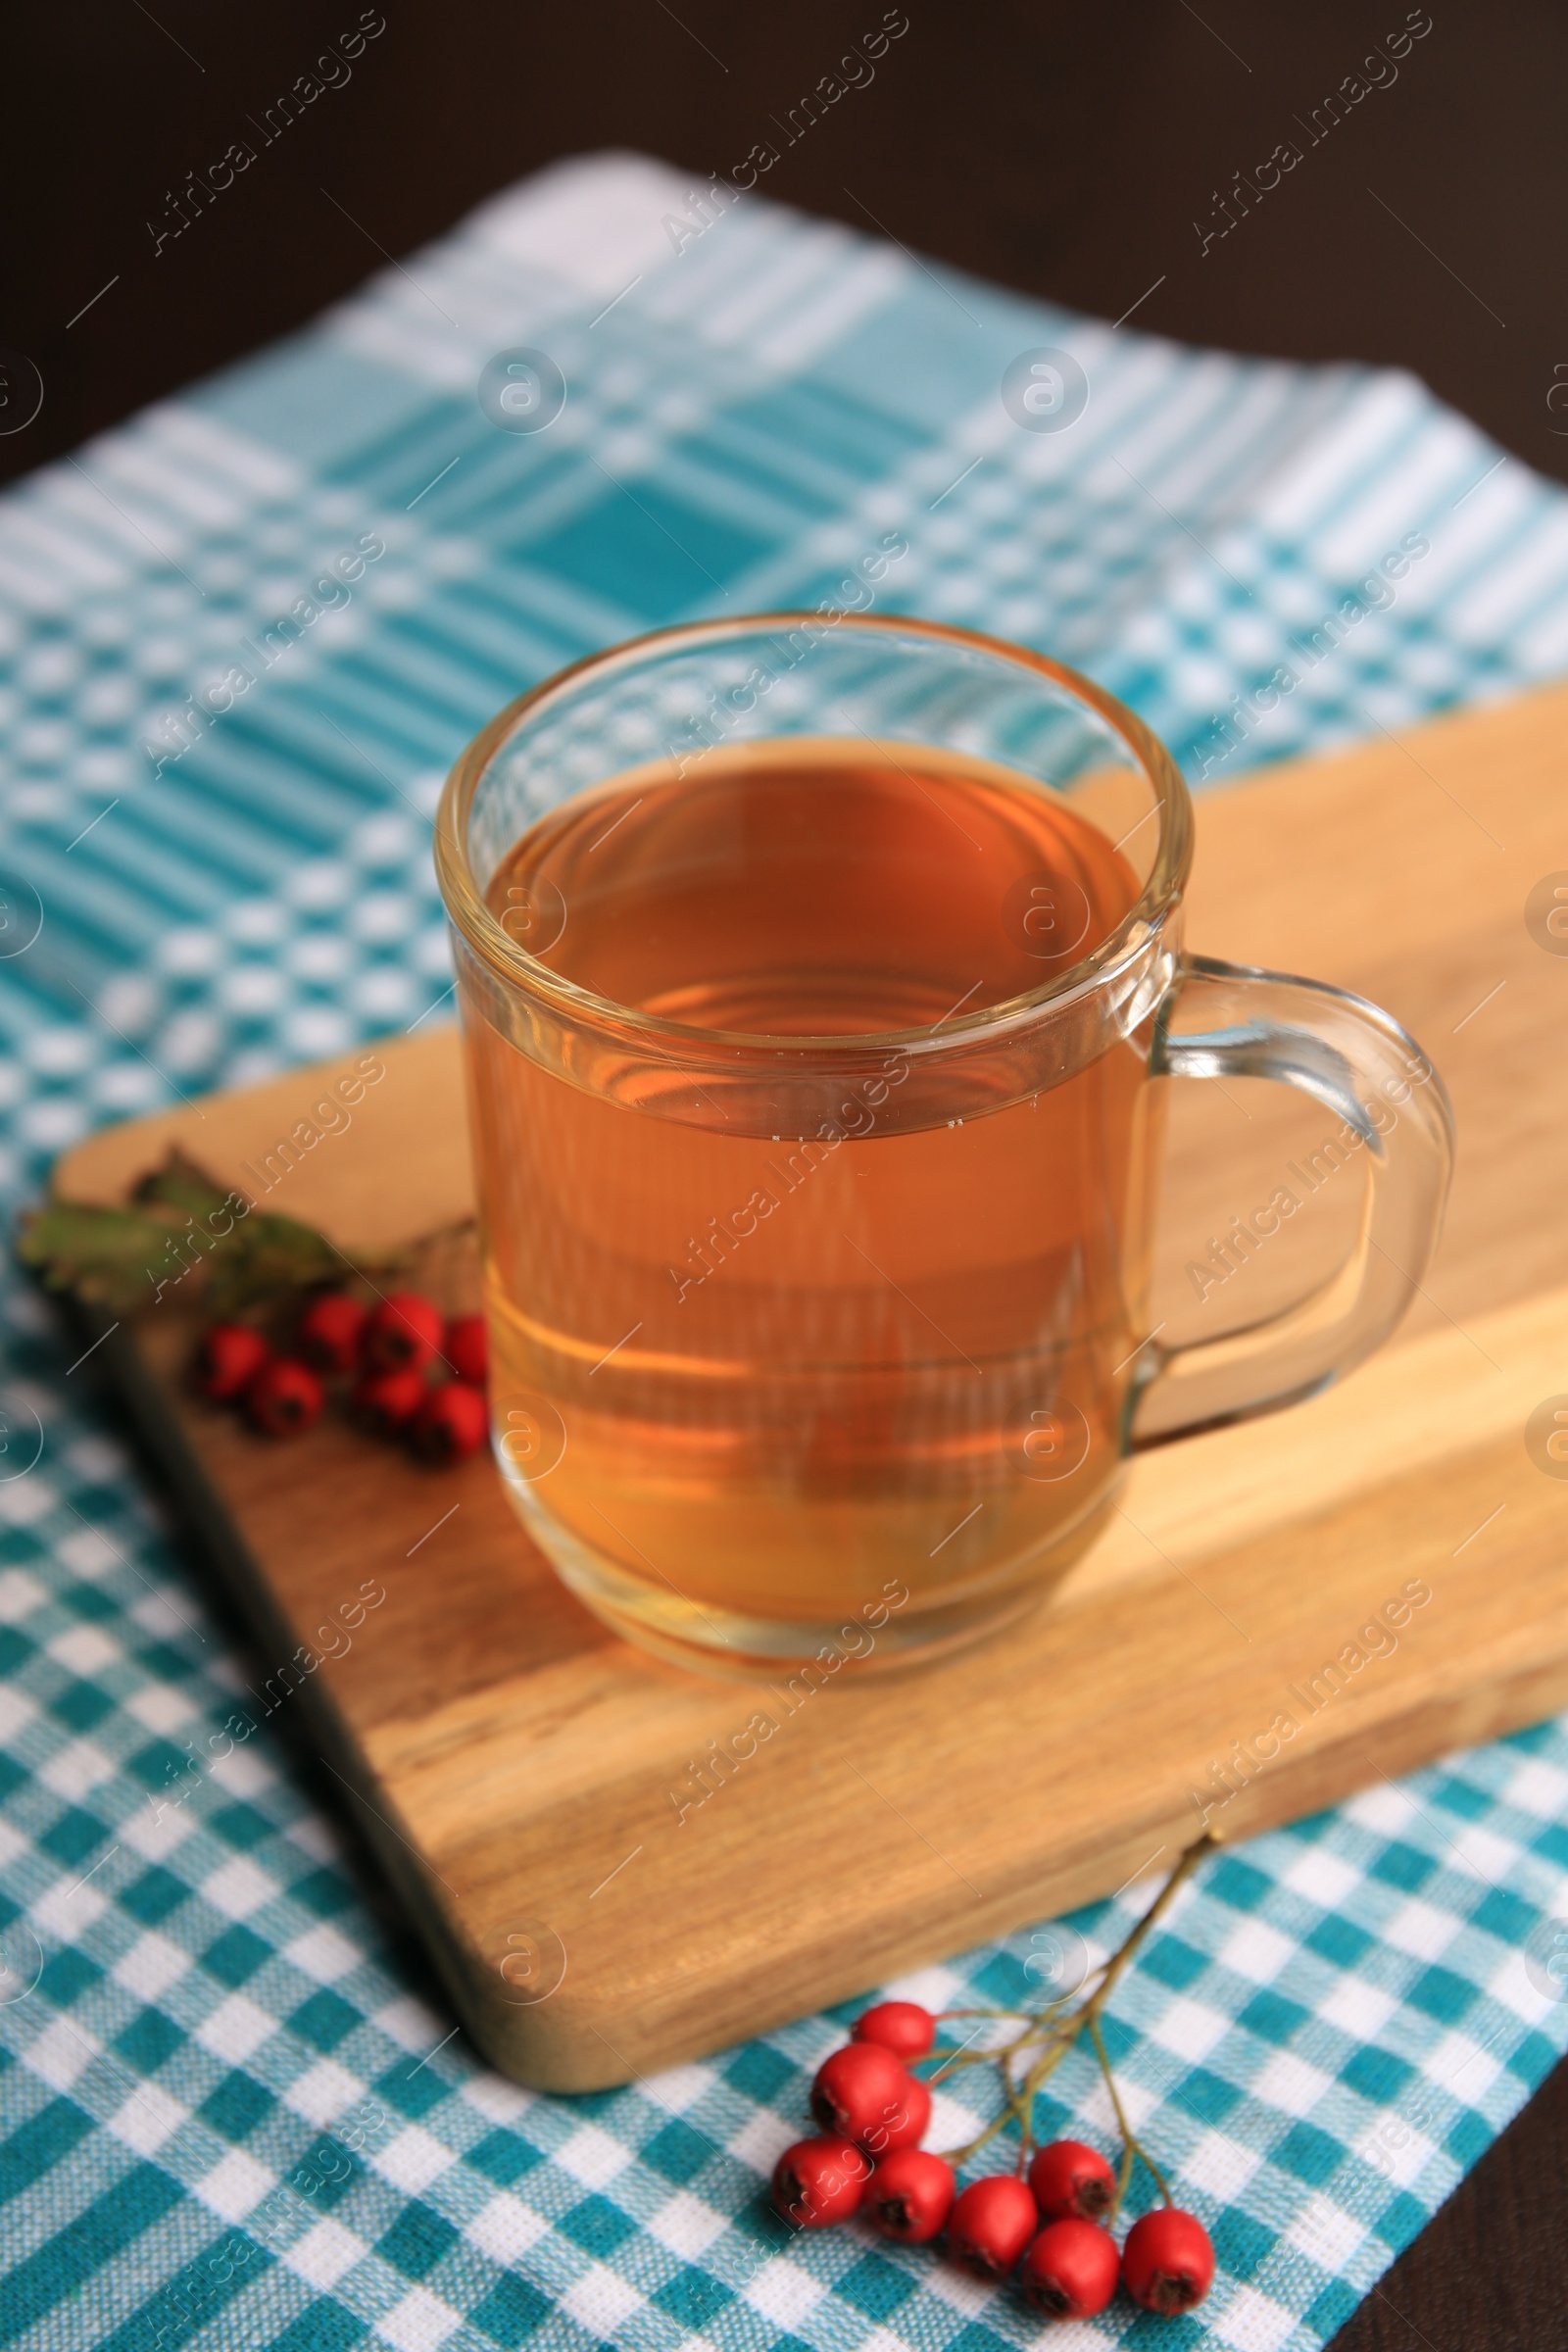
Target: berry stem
(1124, 2174)
(1132, 2145)
(1057, 2033)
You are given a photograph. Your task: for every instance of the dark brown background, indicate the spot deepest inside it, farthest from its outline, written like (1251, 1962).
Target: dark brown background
(1062, 149)
(1065, 151)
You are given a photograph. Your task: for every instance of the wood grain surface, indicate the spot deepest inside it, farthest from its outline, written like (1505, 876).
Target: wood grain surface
(513, 1765)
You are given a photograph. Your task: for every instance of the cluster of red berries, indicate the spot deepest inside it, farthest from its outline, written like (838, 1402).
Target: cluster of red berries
(875, 2112)
(414, 1374)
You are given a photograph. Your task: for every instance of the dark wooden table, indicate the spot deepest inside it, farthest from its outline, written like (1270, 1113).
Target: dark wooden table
(1087, 153)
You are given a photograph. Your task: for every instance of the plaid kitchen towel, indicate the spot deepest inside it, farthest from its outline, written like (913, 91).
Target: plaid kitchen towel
(243, 636)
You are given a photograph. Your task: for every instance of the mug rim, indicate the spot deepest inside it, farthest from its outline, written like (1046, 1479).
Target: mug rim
(470, 916)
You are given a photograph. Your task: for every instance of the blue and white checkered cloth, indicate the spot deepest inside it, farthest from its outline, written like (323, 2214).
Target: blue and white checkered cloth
(227, 2116)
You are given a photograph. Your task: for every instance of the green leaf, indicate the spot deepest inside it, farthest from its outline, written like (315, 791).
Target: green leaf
(266, 1257)
(183, 1227)
(181, 1184)
(105, 1255)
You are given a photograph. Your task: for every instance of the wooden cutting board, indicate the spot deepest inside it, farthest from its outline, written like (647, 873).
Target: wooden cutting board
(531, 1785)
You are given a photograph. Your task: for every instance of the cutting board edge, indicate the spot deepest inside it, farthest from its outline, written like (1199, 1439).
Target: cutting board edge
(581, 2045)
(584, 2056)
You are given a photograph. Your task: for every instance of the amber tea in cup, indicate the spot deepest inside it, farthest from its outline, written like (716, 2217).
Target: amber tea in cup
(819, 983)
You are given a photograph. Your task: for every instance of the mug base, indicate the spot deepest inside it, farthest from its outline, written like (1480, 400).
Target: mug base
(709, 1639)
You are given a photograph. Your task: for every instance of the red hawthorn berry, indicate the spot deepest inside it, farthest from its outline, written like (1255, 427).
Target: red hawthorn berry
(332, 1331)
(911, 2194)
(1069, 2272)
(863, 2092)
(228, 1358)
(283, 1398)
(818, 2182)
(991, 2225)
(903, 2121)
(404, 1332)
(387, 1401)
(1167, 2263)
(450, 1424)
(467, 1349)
(1069, 2179)
(902, 2027)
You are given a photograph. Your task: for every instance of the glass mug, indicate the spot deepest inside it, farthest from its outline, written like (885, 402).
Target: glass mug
(814, 974)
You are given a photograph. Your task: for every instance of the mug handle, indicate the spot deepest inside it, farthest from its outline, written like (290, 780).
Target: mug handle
(1392, 1109)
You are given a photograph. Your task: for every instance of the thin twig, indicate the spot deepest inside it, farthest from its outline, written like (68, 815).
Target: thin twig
(1058, 2035)
(1132, 2145)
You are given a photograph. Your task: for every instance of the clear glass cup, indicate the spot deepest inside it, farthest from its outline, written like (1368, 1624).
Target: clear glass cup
(803, 1339)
